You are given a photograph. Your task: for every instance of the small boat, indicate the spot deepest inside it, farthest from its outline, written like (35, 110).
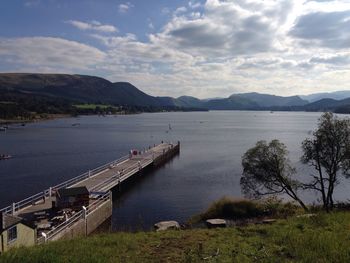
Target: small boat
(76, 124)
(3, 128)
(5, 156)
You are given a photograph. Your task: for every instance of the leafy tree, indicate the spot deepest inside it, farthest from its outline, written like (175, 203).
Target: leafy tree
(267, 170)
(328, 151)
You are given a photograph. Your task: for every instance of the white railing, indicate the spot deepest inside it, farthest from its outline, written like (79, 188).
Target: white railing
(81, 215)
(118, 179)
(15, 207)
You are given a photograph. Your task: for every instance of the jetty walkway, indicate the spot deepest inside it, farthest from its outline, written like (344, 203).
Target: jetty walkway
(98, 182)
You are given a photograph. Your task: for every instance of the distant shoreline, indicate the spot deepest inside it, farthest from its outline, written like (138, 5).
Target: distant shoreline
(47, 117)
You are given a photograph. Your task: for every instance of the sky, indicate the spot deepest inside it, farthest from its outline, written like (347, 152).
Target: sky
(201, 48)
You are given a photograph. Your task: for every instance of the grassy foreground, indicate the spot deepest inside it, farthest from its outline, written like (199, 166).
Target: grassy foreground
(323, 238)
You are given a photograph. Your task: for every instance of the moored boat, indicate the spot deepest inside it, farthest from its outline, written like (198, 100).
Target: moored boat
(5, 156)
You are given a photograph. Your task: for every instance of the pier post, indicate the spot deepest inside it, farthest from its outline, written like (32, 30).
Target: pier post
(13, 208)
(45, 236)
(85, 219)
(89, 174)
(50, 191)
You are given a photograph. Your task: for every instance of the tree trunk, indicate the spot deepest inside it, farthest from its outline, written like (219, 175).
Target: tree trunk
(292, 194)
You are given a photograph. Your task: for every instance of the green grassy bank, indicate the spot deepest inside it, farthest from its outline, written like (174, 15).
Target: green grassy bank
(323, 238)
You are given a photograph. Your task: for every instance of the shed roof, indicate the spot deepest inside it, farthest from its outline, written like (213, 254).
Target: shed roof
(73, 191)
(8, 220)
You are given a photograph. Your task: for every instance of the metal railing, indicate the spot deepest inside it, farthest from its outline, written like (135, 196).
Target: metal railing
(15, 207)
(81, 215)
(118, 179)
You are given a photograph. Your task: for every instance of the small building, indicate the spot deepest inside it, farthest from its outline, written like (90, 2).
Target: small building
(15, 232)
(74, 197)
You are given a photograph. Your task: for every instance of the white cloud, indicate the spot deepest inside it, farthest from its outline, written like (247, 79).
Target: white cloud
(227, 28)
(31, 3)
(49, 52)
(212, 49)
(124, 7)
(194, 5)
(93, 25)
(180, 10)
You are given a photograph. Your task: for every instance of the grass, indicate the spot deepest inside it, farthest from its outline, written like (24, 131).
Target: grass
(323, 238)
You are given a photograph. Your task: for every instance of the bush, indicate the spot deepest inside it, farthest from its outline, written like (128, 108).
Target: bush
(236, 209)
(233, 209)
(277, 208)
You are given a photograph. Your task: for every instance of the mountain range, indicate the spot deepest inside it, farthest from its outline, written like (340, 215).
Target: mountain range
(337, 95)
(90, 89)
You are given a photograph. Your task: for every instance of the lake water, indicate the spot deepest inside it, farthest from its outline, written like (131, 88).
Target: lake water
(208, 167)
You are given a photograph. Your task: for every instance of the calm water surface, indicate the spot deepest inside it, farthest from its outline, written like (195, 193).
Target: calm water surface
(208, 167)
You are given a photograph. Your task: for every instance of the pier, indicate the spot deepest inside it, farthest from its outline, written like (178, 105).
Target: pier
(53, 223)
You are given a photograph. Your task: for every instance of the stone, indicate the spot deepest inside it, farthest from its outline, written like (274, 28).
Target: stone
(269, 221)
(212, 223)
(167, 225)
(306, 215)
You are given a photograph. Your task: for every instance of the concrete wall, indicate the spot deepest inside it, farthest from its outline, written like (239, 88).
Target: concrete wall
(97, 217)
(84, 227)
(26, 236)
(76, 230)
(168, 155)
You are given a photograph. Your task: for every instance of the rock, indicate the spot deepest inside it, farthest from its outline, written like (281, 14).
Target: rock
(211, 223)
(166, 225)
(269, 221)
(306, 215)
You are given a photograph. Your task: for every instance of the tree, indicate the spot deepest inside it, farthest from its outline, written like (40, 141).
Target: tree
(328, 151)
(267, 170)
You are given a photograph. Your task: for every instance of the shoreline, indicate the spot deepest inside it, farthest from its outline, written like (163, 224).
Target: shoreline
(47, 117)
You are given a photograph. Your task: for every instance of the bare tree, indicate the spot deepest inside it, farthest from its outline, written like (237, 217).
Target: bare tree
(328, 151)
(267, 171)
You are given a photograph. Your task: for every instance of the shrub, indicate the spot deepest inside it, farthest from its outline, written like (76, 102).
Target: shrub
(233, 209)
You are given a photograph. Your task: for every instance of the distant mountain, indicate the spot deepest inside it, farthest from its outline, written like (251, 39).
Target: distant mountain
(231, 103)
(266, 100)
(337, 95)
(188, 101)
(61, 90)
(252, 101)
(208, 99)
(328, 105)
(79, 88)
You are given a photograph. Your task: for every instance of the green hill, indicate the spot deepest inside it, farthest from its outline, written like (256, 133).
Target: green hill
(78, 88)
